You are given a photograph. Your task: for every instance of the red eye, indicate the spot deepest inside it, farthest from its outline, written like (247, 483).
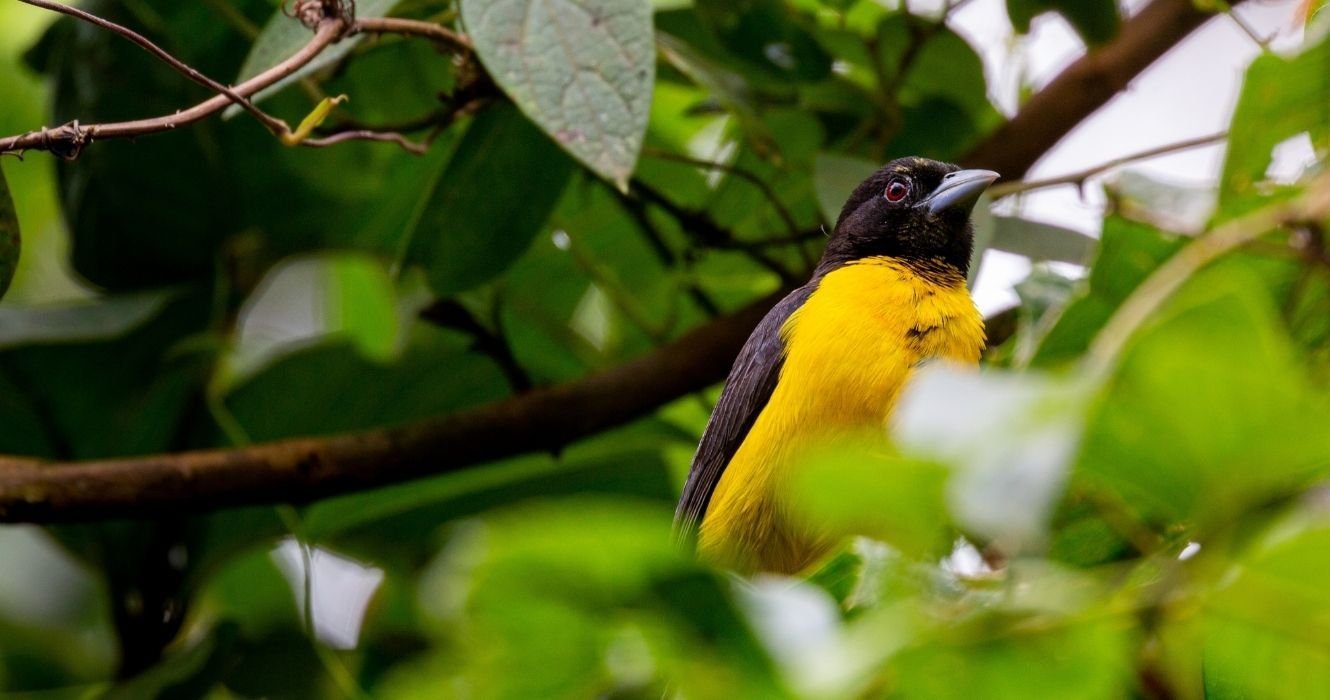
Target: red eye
(897, 190)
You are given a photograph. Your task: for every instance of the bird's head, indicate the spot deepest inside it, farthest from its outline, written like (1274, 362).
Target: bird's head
(911, 209)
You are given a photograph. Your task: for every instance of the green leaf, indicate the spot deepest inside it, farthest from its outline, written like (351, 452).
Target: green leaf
(284, 35)
(104, 318)
(1210, 412)
(1266, 627)
(856, 488)
(1039, 241)
(1281, 97)
(10, 243)
(994, 657)
(333, 296)
(1096, 21)
(1128, 253)
(489, 202)
(764, 37)
(582, 70)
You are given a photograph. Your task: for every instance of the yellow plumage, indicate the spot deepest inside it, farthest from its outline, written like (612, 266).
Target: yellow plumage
(849, 349)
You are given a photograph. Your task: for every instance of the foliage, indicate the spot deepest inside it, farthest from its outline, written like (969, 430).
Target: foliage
(1037, 529)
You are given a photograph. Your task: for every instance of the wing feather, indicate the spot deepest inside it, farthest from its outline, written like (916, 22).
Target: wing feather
(747, 390)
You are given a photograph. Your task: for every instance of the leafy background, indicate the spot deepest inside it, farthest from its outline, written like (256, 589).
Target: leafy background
(1040, 530)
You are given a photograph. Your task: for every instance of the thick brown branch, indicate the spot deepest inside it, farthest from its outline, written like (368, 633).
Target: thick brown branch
(1085, 86)
(306, 469)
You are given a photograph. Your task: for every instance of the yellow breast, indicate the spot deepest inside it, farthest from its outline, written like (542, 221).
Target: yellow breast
(849, 350)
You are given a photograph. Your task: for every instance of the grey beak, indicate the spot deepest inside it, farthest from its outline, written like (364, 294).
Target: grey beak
(959, 190)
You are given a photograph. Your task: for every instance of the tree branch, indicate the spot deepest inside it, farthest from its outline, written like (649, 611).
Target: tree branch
(1079, 177)
(1085, 86)
(301, 470)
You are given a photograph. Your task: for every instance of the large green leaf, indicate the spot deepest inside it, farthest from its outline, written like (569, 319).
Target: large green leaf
(9, 237)
(489, 202)
(1210, 411)
(1281, 97)
(1096, 21)
(581, 69)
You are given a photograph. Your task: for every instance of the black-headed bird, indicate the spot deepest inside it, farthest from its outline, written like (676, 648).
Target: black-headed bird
(831, 358)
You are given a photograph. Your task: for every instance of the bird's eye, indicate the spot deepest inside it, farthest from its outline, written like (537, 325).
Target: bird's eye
(897, 190)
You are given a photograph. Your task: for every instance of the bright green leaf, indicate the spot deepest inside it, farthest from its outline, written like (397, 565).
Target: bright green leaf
(1281, 97)
(580, 69)
(1210, 411)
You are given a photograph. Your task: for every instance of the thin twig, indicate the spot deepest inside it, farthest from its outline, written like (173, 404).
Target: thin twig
(70, 139)
(1078, 178)
(438, 33)
(367, 135)
(277, 126)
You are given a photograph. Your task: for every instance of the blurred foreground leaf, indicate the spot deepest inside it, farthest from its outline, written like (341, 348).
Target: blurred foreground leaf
(1210, 411)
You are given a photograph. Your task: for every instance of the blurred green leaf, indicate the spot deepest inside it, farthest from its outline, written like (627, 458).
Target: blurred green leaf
(1281, 97)
(191, 673)
(1186, 430)
(1014, 658)
(764, 37)
(487, 205)
(1267, 626)
(1096, 21)
(1040, 241)
(10, 242)
(853, 488)
(284, 35)
(1010, 440)
(1128, 252)
(104, 318)
(583, 72)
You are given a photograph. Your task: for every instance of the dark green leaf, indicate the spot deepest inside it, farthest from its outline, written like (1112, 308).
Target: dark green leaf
(1096, 21)
(762, 35)
(9, 238)
(583, 71)
(488, 203)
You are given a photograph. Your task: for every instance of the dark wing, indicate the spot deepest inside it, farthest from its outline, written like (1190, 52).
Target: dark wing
(746, 392)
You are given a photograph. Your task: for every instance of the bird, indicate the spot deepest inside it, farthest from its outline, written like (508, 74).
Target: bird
(888, 295)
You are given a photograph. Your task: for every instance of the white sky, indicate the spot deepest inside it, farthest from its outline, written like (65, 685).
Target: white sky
(1189, 92)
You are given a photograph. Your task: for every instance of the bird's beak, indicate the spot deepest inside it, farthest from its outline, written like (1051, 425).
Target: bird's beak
(959, 191)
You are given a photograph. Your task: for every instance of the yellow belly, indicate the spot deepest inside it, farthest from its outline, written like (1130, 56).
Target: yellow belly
(849, 350)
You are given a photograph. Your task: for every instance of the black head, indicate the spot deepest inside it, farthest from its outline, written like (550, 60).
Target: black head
(912, 209)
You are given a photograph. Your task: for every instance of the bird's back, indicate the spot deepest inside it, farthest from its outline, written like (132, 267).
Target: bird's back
(848, 350)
